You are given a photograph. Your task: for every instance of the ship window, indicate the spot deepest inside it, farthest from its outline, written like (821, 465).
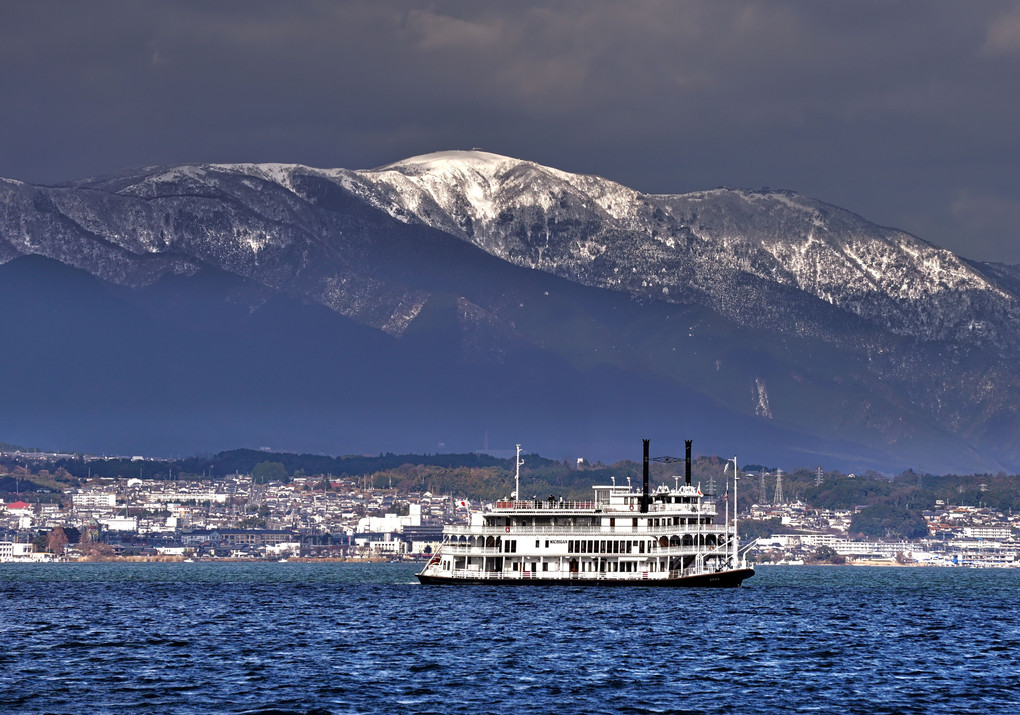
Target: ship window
(536, 543)
(545, 566)
(547, 543)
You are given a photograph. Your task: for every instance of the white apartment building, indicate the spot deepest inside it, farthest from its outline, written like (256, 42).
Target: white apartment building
(119, 523)
(11, 551)
(94, 500)
(179, 496)
(998, 533)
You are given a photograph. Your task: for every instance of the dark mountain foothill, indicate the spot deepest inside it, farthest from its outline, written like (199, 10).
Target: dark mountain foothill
(424, 305)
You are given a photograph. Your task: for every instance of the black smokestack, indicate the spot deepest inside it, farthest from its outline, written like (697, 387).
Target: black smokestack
(644, 487)
(687, 463)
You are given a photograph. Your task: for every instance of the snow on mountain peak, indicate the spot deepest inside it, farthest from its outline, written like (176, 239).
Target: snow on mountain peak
(456, 159)
(449, 190)
(467, 192)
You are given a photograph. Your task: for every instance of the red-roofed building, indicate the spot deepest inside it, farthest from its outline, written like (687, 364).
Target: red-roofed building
(24, 513)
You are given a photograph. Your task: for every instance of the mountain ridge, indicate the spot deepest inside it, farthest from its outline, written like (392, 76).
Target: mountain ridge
(929, 340)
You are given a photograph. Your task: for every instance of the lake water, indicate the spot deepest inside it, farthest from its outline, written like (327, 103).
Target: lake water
(346, 638)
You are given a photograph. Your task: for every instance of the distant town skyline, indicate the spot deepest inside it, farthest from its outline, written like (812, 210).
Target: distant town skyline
(904, 112)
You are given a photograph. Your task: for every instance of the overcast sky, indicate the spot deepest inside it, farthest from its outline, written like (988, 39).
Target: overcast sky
(907, 113)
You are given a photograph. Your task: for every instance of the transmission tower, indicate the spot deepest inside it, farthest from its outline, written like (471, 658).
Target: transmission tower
(818, 477)
(764, 498)
(779, 487)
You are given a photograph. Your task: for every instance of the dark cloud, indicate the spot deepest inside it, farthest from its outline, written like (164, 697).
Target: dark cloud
(905, 112)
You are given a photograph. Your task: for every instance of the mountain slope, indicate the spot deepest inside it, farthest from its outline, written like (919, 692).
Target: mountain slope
(795, 325)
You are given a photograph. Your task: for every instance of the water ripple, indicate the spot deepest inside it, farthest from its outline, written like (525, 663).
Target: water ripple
(341, 638)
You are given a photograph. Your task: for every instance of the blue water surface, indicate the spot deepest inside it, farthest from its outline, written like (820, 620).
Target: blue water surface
(367, 638)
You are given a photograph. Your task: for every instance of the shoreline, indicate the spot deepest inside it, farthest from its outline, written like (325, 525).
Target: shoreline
(185, 559)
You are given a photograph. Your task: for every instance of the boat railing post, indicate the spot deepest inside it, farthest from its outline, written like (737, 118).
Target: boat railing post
(726, 508)
(517, 478)
(736, 505)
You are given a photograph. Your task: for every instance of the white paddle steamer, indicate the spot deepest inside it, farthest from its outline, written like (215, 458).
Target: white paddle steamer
(666, 537)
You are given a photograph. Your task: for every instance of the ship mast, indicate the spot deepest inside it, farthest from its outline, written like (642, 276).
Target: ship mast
(736, 537)
(517, 475)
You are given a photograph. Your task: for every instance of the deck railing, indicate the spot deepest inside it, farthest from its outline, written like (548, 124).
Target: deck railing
(559, 575)
(606, 531)
(706, 507)
(539, 504)
(496, 552)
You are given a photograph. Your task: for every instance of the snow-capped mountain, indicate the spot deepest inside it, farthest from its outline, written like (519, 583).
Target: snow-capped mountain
(785, 310)
(600, 233)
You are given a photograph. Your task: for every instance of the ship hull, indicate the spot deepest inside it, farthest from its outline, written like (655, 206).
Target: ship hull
(719, 579)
